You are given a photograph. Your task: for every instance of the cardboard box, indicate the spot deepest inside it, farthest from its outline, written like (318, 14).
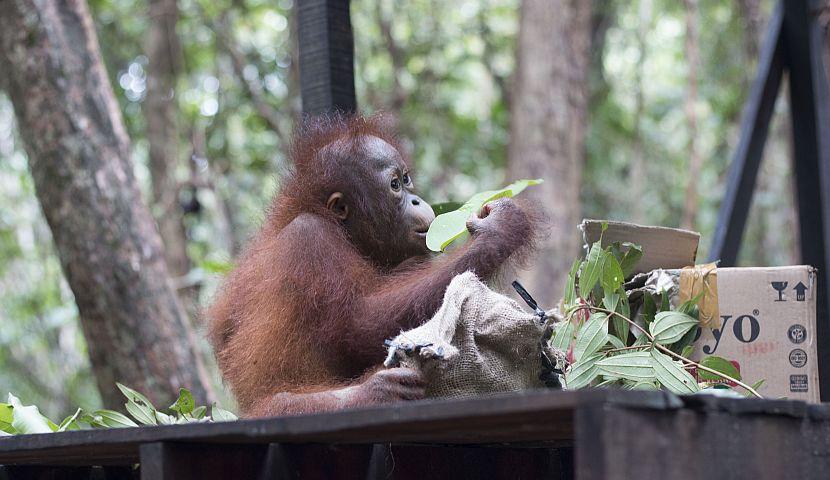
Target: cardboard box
(663, 247)
(767, 314)
(768, 325)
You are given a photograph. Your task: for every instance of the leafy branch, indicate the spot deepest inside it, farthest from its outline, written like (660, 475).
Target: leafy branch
(16, 418)
(665, 350)
(602, 345)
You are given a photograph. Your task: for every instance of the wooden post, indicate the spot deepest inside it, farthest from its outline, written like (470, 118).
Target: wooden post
(191, 461)
(326, 56)
(811, 140)
(743, 440)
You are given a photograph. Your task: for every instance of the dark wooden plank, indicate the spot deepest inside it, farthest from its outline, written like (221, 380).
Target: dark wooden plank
(747, 158)
(507, 423)
(419, 462)
(326, 56)
(616, 442)
(520, 417)
(40, 472)
(803, 39)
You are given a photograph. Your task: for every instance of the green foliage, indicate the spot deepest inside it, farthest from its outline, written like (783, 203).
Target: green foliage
(16, 418)
(591, 336)
(640, 352)
(446, 207)
(721, 365)
(672, 375)
(591, 269)
(633, 366)
(670, 326)
(449, 227)
(27, 419)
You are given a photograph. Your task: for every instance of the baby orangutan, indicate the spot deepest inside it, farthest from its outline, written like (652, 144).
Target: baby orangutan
(340, 265)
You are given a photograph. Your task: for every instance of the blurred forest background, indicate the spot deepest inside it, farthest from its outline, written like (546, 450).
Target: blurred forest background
(663, 83)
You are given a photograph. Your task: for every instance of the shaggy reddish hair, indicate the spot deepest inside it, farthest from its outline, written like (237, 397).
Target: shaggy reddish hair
(308, 306)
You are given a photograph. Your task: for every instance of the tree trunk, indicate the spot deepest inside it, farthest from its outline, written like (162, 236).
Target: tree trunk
(695, 159)
(547, 128)
(164, 63)
(79, 156)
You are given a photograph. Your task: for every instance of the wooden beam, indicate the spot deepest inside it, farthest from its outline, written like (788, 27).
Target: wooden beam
(803, 39)
(754, 127)
(519, 417)
(701, 443)
(500, 436)
(326, 56)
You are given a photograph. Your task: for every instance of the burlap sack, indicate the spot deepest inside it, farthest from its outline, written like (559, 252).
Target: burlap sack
(478, 342)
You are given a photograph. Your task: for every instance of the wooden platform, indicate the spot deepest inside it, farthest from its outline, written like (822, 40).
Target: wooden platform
(592, 434)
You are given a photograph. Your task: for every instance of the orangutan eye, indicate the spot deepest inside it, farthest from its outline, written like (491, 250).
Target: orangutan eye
(396, 184)
(406, 180)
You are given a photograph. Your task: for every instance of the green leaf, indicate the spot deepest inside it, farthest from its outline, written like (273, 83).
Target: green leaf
(199, 412)
(478, 200)
(134, 396)
(448, 227)
(6, 417)
(592, 336)
(139, 406)
(442, 208)
(671, 375)
(165, 419)
(222, 415)
(589, 276)
(621, 326)
(686, 340)
(583, 372)
(563, 335)
(570, 288)
(185, 403)
(92, 419)
(718, 364)
(113, 419)
(611, 300)
(642, 385)
(612, 275)
(669, 327)
(27, 419)
(141, 413)
(634, 366)
(70, 422)
(755, 386)
(688, 306)
(616, 342)
(607, 382)
(6, 414)
(649, 310)
(632, 255)
(687, 351)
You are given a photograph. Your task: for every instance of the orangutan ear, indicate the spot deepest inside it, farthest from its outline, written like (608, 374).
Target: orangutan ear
(337, 204)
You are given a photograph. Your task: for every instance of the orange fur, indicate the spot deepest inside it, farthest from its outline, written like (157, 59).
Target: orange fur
(307, 307)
